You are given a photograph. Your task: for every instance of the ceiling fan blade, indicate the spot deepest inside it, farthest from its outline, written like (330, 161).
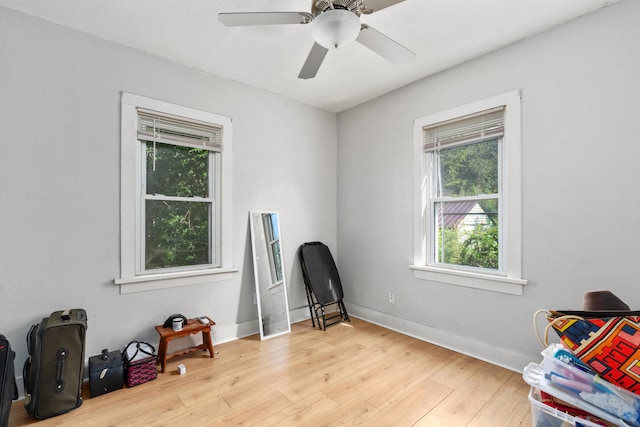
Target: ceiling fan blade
(382, 45)
(233, 19)
(371, 6)
(313, 62)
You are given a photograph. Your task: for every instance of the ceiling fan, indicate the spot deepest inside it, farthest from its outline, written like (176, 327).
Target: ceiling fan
(334, 24)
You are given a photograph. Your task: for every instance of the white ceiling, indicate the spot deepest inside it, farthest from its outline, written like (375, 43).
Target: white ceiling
(443, 33)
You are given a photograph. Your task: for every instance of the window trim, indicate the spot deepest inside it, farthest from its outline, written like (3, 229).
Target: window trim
(130, 179)
(510, 281)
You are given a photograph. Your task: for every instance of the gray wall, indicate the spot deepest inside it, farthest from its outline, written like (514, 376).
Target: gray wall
(580, 102)
(60, 173)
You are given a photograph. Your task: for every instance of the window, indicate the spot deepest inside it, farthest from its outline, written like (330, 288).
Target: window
(175, 195)
(270, 224)
(467, 215)
(464, 198)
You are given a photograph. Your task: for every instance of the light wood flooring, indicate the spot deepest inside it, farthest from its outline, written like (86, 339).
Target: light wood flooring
(355, 373)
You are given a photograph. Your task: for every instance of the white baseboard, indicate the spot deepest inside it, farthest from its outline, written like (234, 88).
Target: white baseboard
(503, 357)
(226, 333)
(299, 315)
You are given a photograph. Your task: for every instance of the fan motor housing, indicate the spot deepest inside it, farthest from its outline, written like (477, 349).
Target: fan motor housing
(321, 6)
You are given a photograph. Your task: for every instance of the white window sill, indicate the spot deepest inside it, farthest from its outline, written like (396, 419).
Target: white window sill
(152, 282)
(488, 282)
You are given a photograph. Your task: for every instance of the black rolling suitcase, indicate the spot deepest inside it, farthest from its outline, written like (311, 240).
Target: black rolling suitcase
(53, 372)
(8, 389)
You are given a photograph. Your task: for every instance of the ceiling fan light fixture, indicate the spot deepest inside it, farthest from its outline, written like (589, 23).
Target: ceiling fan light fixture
(335, 28)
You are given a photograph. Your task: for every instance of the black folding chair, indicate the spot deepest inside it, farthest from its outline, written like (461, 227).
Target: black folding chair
(322, 284)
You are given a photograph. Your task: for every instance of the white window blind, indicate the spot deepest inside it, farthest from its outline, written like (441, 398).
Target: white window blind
(164, 128)
(473, 128)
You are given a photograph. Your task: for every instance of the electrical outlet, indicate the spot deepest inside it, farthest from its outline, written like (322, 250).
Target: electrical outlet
(392, 298)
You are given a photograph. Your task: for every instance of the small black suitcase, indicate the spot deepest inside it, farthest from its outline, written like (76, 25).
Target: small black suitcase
(53, 372)
(8, 389)
(105, 372)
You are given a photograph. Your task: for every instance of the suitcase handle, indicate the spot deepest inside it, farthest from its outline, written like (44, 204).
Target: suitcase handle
(139, 348)
(31, 331)
(61, 356)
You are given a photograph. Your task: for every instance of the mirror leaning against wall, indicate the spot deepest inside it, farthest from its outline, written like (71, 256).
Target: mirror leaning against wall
(268, 269)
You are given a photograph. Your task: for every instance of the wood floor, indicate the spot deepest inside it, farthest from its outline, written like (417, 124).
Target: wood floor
(353, 374)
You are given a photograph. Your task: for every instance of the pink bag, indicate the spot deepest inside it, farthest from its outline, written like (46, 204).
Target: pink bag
(139, 360)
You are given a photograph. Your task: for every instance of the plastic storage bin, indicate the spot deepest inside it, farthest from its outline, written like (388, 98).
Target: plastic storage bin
(546, 416)
(548, 376)
(534, 376)
(563, 370)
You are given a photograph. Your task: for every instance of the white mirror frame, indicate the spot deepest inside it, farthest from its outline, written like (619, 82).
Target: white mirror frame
(268, 270)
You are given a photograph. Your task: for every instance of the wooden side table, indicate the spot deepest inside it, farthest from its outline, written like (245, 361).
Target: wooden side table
(193, 326)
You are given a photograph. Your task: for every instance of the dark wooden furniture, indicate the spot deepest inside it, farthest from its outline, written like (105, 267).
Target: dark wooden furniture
(193, 326)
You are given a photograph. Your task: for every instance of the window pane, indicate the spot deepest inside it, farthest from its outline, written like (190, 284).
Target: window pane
(274, 227)
(177, 234)
(468, 170)
(467, 233)
(178, 171)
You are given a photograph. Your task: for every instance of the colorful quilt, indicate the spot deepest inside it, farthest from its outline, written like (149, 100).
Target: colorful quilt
(609, 345)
